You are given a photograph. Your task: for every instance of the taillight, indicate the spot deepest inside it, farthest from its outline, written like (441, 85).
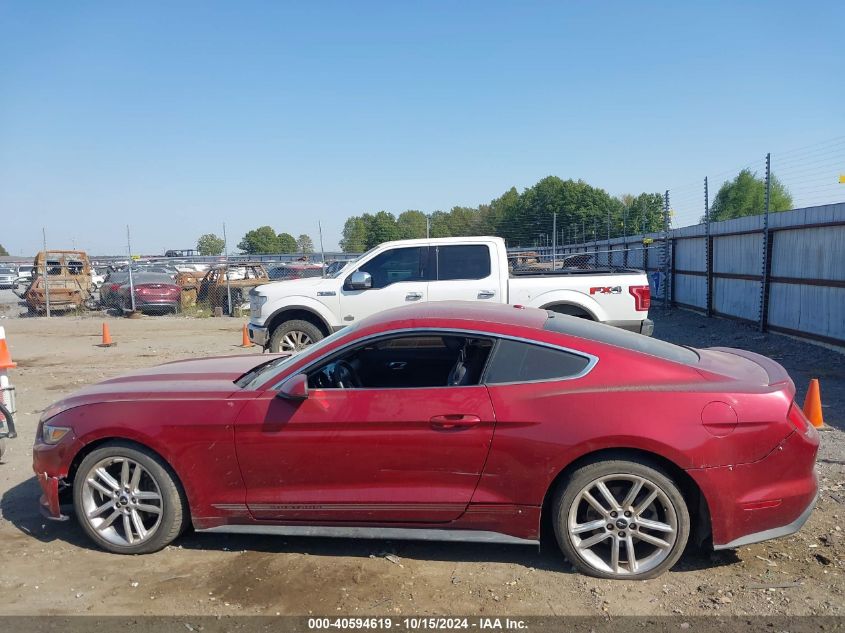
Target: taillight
(642, 297)
(798, 419)
(114, 287)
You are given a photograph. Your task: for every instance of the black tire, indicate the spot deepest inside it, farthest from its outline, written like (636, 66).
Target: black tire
(174, 507)
(569, 491)
(295, 327)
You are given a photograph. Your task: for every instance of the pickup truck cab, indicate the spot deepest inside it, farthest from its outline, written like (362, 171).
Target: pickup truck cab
(286, 316)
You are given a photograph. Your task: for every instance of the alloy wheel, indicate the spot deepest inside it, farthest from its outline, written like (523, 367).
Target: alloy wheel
(622, 524)
(122, 501)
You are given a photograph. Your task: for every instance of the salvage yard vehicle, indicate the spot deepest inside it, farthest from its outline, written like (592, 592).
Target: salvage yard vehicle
(154, 292)
(289, 315)
(8, 276)
(295, 271)
(69, 283)
(238, 278)
(451, 420)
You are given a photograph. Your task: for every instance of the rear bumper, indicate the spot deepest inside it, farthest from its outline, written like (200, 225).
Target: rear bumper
(772, 533)
(258, 335)
(644, 327)
(153, 304)
(766, 499)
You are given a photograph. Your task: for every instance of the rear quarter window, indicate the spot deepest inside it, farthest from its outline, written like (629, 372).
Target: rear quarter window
(517, 361)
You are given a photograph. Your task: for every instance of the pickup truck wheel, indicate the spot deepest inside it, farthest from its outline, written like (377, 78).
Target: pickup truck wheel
(294, 336)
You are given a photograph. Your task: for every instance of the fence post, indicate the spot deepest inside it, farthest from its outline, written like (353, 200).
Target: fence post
(708, 253)
(625, 237)
(46, 272)
(665, 250)
(767, 255)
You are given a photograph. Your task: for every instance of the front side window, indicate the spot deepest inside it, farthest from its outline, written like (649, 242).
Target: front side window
(465, 261)
(516, 361)
(397, 264)
(405, 362)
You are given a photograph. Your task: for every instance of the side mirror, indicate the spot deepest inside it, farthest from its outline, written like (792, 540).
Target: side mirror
(359, 280)
(295, 388)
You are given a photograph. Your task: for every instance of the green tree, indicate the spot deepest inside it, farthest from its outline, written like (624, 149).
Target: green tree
(3, 251)
(262, 240)
(643, 213)
(441, 225)
(746, 195)
(354, 239)
(411, 225)
(381, 227)
(210, 244)
(287, 243)
(305, 244)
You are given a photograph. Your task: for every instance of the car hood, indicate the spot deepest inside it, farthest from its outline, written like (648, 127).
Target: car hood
(178, 379)
(290, 286)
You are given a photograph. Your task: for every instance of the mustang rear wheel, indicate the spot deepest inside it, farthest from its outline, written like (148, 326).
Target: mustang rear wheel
(127, 500)
(621, 519)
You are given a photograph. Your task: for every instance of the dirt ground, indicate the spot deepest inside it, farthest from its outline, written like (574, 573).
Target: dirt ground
(50, 568)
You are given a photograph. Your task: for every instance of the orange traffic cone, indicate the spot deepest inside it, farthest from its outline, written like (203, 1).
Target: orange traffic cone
(5, 356)
(107, 342)
(245, 342)
(813, 404)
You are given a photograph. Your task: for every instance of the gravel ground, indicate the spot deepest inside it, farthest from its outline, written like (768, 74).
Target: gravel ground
(50, 568)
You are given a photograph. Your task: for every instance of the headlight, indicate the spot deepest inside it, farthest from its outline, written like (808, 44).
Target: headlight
(52, 434)
(256, 301)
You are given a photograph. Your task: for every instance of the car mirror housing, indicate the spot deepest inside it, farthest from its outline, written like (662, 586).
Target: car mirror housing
(295, 388)
(359, 280)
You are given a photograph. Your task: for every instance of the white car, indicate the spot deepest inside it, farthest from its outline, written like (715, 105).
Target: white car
(8, 276)
(289, 315)
(97, 278)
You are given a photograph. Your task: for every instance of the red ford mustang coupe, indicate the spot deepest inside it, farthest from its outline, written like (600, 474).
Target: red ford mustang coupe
(446, 421)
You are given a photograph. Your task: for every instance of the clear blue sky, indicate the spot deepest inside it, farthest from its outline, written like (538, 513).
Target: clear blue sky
(177, 116)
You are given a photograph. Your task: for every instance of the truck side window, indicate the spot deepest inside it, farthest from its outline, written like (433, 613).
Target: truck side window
(397, 264)
(466, 261)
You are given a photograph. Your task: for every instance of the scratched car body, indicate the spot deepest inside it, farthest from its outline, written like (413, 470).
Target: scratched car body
(459, 421)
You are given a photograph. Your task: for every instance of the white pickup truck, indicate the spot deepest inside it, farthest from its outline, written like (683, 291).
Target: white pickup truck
(289, 315)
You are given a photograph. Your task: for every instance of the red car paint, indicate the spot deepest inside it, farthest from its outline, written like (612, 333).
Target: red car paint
(374, 456)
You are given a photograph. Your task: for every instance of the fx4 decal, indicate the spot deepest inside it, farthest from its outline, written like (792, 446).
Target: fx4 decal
(606, 290)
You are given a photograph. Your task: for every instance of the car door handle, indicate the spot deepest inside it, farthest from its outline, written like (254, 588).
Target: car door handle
(453, 422)
(397, 365)
(413, 296)
(486, 294)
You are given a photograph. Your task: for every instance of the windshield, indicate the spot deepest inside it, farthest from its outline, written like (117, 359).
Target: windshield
(264, 373)
(352, 264)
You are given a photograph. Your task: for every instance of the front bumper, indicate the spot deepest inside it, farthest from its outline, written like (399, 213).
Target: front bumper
(258, 334)
(48, 503)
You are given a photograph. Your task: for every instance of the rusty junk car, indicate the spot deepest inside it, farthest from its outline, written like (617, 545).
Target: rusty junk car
(68, 286)
(215, 285)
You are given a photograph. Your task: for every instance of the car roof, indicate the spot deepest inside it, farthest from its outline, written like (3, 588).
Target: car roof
(476, 314)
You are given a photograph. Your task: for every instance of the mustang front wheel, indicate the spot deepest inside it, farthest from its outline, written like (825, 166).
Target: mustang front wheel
(621, 519)
(127, 500)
